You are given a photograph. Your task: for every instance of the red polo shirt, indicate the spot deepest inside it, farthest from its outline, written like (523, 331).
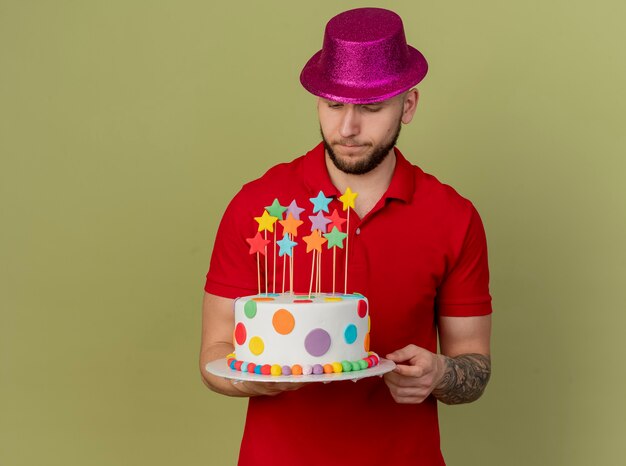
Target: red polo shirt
(419, 254)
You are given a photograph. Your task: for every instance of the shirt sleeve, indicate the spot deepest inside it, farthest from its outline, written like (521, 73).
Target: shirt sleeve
(464, 291)
(233, 271)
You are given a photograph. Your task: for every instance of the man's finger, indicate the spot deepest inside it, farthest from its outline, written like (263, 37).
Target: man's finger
(403, 354)
(409, 371)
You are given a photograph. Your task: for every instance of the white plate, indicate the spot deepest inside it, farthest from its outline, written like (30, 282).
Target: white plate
(220, 368)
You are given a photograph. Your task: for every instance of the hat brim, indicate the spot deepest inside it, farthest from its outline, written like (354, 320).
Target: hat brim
(314, 80)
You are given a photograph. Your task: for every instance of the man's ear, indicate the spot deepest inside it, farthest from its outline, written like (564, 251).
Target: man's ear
(409, 105)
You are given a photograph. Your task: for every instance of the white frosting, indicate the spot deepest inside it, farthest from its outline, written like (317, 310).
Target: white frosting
(334, 317)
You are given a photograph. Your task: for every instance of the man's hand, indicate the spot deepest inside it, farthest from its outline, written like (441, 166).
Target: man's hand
(461, 379)
(218, 324)
(266, 388)
(417, 374)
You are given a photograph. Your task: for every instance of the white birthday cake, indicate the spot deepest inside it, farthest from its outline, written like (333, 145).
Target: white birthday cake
(288, 334)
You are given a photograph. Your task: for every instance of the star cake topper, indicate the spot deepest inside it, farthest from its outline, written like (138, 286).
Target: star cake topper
(294, 210)
(314, 241)
(318, 222)
(286, 246)
(348, 198)
(257, 244)
(276, 210)
(335, 238)
(335, 220)
(290, 224)
(266, 222)
(320, 203)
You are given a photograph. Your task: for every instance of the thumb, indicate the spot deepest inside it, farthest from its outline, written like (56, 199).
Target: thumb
(403, 354)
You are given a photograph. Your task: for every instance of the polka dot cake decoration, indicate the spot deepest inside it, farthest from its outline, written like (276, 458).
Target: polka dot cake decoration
(283, 321)
(292, 337)
(317, 342)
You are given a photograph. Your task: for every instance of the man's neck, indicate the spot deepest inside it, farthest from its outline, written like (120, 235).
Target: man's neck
(370, 186)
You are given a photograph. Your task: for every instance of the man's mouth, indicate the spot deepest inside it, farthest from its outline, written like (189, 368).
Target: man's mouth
(350, 145)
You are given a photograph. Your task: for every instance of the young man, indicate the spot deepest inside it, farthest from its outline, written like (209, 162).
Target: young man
(417, 251)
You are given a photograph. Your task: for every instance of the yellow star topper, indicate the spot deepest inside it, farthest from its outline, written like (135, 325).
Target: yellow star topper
(266, 222)
(348, 198)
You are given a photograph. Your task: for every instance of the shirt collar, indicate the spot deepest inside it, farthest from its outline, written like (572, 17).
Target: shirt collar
(316, 178)
(402, 184)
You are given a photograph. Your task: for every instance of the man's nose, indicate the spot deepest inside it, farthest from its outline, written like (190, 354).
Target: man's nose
(350, 122)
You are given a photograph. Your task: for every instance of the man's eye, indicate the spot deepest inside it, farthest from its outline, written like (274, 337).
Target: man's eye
(370, 108)
(335, 105)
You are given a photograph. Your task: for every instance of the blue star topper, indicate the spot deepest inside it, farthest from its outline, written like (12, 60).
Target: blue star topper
(320, 202)
(286, 246)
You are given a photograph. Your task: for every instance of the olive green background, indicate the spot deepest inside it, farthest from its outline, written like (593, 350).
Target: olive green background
(127, 126)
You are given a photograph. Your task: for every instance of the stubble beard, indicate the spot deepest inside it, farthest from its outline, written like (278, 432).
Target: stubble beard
(365, 164)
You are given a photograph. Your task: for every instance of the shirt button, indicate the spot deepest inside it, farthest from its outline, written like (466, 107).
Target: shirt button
(358, 231)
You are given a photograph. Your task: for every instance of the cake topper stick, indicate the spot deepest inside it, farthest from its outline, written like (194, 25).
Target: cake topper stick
(266, 222)
(294, 211)
(290, 226)
(258, 245)
(266, 290)
(312, 269)
(284, 267)
(345, 270)
(286, 248)
(313, 243)
(319, 272)
(258, 270)
(275, 210)
(348, 202)
(334, 267)
(335, 239)
(292, 259)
